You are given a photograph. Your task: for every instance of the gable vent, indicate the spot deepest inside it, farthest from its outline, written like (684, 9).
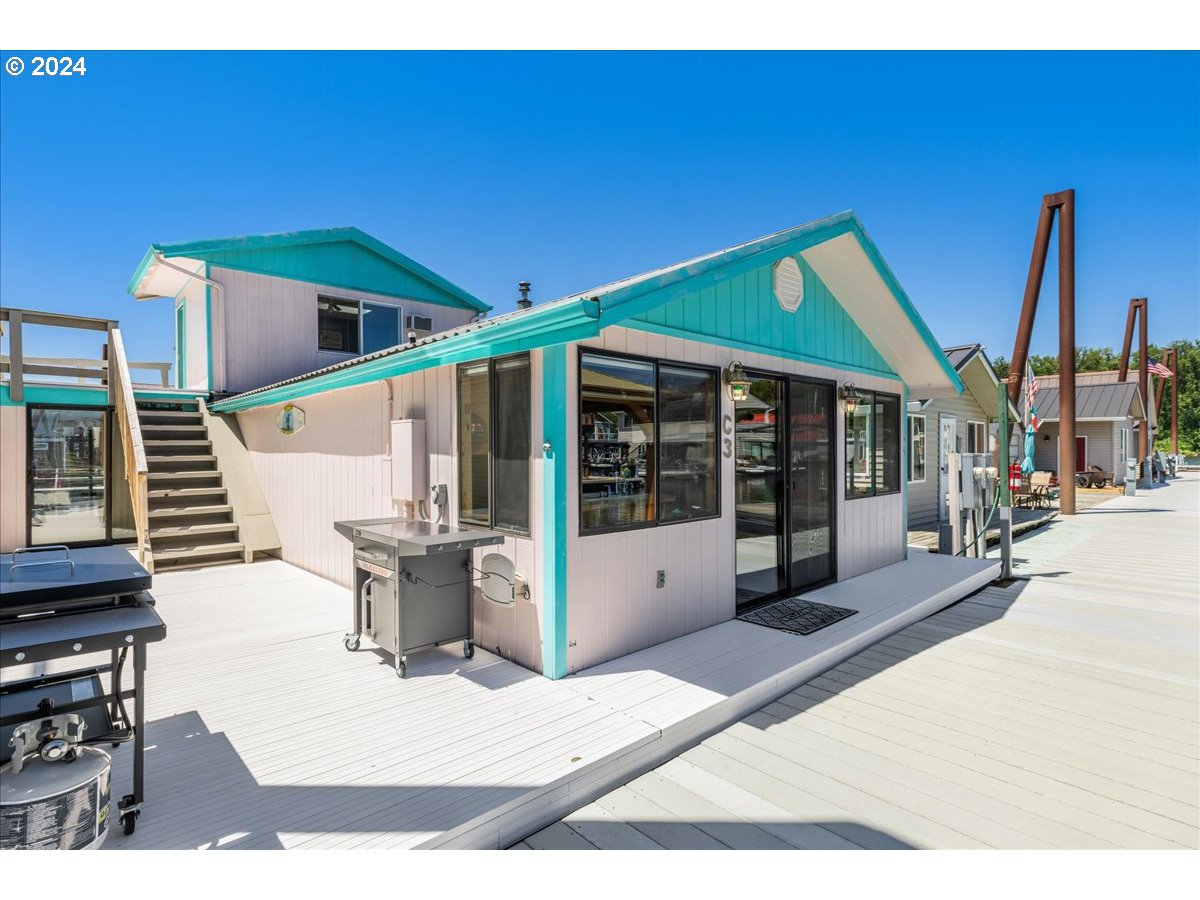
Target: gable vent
(789, 284)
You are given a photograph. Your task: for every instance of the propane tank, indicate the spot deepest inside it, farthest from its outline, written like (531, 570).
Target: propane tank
(55, 796)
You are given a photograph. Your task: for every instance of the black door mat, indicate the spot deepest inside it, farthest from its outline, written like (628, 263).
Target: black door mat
(797, 616)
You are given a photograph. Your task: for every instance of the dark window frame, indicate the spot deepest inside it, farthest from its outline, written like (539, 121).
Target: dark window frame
(492, 423)
(901, 432)
(656, 522)
(359, 304)
(110, 474)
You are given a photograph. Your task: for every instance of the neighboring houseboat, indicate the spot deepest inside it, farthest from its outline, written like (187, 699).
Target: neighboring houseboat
(1108, 414)
(659, 450)
(962, 424)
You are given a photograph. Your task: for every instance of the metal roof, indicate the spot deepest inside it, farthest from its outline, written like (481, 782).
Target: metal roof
(1117, 400)
(579, 315)
(960, 356)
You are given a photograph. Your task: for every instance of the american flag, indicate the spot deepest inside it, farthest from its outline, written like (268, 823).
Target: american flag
(1031, 389)
(1154, 367)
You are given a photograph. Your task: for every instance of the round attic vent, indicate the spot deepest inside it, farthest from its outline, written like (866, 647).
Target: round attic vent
(789, 284)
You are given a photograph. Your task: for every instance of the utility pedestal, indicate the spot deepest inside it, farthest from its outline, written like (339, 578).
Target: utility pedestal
(1131, 477)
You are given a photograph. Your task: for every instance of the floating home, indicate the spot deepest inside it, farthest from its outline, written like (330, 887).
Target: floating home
(962, 424)
(1108, 415)
(660, 452)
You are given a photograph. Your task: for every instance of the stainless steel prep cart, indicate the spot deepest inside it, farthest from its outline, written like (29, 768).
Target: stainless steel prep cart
(412, 584)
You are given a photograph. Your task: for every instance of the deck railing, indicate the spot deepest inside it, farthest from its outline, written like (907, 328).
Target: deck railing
(120, 390)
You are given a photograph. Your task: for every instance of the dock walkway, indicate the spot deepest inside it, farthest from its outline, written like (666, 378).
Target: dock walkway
(263, 732)
(1059, 712)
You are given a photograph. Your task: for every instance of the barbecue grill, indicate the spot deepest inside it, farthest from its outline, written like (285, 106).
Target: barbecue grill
(412, 584)
(55, 604)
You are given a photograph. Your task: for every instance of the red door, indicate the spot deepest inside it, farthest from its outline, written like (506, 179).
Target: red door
(1080, 454)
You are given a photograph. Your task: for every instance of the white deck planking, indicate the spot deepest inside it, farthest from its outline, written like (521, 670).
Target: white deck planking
(1059, 713)
(264, 732)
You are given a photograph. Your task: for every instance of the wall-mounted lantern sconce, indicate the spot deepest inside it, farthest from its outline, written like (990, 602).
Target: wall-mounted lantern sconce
(736, 381)
(851, 396)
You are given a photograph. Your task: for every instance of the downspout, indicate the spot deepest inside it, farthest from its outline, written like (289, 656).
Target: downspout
(218, 327)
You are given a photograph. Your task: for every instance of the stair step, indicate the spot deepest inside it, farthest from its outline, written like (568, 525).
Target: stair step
(197, 552)
(203, 562)
(159, 445)
(183, 531)
(181, 458)
(180, 512)
(171, 416)
(153, 431)
(183, 476)
(184, 493)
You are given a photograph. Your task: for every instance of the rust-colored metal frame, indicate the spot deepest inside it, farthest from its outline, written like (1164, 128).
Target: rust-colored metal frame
(1171, 361)
(1062, 203)
(1139, 312)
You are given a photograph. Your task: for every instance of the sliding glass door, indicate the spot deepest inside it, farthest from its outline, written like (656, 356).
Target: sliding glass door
(784, 487)
(811, 496)
(69, 463)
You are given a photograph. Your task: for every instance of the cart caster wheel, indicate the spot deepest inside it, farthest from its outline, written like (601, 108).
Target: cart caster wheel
(468, 649)
(402, 670)
(350, 642)
(129, 821)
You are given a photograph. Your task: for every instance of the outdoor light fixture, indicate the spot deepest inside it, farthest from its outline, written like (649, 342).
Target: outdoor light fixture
(851, 396)
(735, 379)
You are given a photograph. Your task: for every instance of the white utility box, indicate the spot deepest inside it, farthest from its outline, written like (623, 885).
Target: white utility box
(410, 463)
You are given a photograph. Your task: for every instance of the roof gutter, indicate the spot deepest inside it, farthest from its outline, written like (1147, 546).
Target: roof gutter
(217, 337)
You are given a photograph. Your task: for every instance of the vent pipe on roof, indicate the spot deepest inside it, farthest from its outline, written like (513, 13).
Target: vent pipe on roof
(524, 302)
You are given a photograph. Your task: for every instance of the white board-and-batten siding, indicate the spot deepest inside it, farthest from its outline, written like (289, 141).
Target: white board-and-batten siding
(270, 325)
(614, 606)
(923, 495)
(195, 313)
(338, 467)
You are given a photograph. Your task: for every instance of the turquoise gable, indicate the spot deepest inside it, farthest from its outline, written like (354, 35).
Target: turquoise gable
(741, 311)
(338, 264)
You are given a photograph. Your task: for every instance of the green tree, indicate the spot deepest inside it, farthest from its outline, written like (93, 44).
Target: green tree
(1104, 359)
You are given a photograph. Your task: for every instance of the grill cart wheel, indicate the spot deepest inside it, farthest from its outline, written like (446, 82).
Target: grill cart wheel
(129, 817)
(351, 642)
(402, 670)
(468, 649)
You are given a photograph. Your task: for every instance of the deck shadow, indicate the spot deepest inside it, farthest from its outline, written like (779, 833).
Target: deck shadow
(998, 603)
(735, 834)
(200, 794)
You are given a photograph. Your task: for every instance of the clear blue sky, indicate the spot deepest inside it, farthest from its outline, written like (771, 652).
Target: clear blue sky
(573, 169)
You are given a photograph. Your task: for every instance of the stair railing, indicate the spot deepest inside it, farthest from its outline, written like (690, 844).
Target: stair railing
(120, 389)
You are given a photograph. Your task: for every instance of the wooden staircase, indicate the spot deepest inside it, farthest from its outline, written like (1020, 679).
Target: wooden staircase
(189, 517)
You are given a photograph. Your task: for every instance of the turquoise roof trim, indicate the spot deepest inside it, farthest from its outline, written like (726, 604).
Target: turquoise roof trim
(554, 323)
(633, 297)
(632, 301)
(338, 257)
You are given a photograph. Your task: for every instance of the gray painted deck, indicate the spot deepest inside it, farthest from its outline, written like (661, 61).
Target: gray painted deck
(1060, 712)
(264, 732)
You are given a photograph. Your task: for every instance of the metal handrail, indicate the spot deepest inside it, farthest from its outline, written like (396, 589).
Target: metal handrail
(136, 469)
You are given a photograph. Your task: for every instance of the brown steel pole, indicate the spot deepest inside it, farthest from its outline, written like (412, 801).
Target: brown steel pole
(1125, 348)
(1066, 352)
(1144, 380)
(1033, 287)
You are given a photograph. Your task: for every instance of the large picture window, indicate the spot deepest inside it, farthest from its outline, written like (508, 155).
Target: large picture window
(648, 443)
(873, 446)
(358, 327)
(916, 448)
(494, 443)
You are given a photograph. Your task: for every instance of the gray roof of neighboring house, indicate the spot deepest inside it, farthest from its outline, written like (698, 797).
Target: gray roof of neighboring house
(958, 356)
(1092, 401)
